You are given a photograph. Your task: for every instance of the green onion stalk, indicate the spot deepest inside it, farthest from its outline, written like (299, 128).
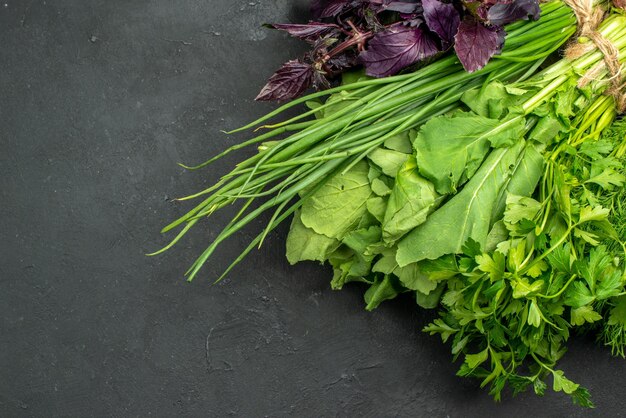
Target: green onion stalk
(286, 171)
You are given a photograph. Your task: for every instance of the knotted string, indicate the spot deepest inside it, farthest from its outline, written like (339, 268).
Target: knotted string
(589, 18)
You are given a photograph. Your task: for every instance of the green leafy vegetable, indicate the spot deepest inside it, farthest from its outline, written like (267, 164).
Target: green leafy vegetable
(338, 205)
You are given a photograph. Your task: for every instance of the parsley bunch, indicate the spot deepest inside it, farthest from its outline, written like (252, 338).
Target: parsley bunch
(554, 262)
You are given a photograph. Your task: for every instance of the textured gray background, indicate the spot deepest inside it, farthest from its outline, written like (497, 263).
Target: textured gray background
(98, 102)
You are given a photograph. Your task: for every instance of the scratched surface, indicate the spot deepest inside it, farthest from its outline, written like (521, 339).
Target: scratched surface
(98, 102)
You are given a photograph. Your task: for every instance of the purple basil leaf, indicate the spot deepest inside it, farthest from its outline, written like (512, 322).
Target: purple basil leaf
(320, 48)
(333, 10)
(370, 19)
(342, 62)
(396, 48)
(509, 11)
(412, 19)
(404, 7)
(291, 80)
(328, 8)
(441, 18)
(319, 81)
(476, 43)
(482, 10)
(308, 31)
(396, 6)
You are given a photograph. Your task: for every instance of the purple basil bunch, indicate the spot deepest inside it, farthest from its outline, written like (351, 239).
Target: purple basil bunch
(387, 36)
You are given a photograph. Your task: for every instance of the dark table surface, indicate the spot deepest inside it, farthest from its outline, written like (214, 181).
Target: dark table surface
(98, 102)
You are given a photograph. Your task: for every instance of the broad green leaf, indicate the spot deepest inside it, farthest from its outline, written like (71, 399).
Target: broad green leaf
(380, 188)
(400, 142)
(305, 244)
(498, 234)
(347, 267)
(338, 205)
(546, 130)
(450, 149)
(584, 314)
(431, 300)
(352, 261)
(493, 99)
(526, 175)
(361, 239)
(443, 268)
(373, 173)
(387, 263)
(335, 103)
(516, 91)
(366, 220)
(312, 104)
(410, 202)
(352, 76)
(377, 207)
(389, 161)
(413, 278)
(382, 290)
(466, 215)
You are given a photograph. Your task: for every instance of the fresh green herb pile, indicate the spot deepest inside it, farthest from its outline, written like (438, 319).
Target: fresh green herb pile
(496, 197)
(358, 117)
